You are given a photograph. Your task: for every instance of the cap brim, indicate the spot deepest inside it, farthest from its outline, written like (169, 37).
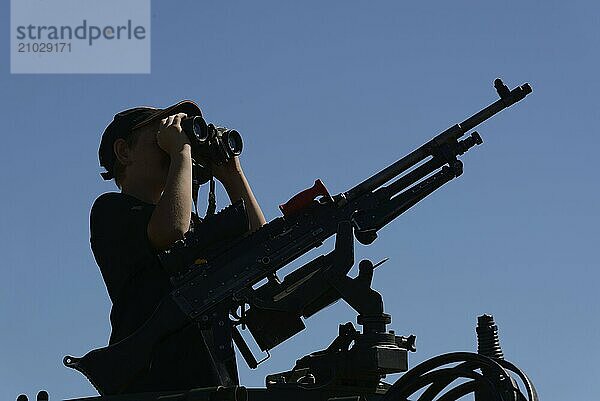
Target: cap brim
(185, 106)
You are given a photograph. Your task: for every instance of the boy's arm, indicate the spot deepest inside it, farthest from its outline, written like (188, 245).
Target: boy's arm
(171, 217)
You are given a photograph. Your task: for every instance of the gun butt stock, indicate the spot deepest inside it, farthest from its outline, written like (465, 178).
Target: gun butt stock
(113, 368)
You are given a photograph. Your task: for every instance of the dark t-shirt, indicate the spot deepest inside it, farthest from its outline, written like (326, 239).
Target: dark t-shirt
(136, 284)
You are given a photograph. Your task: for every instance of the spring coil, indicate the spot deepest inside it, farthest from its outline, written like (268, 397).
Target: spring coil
(488, 343)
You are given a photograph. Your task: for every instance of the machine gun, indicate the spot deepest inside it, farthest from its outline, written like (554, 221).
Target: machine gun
(215, 280)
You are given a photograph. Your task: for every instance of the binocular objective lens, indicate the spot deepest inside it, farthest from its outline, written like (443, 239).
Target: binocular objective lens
(234, 142)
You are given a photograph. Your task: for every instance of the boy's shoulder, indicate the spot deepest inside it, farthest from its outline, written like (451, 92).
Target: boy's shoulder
(116, 201)
(115, 214)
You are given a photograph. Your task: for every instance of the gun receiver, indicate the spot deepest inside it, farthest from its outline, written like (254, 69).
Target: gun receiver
(216, 280)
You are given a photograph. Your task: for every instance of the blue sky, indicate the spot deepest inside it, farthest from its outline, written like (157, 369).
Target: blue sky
(336, 91)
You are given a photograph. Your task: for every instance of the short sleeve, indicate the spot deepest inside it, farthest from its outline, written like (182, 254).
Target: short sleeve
(119, 239)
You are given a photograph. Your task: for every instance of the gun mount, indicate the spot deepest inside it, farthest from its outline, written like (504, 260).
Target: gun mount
(447, 377)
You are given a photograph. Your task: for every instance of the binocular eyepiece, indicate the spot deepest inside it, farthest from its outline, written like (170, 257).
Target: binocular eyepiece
(210, 143)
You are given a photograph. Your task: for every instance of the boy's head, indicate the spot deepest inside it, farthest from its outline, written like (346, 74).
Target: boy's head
(127, 128)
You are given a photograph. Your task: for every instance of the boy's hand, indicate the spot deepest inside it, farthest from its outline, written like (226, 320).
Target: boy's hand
(227, 171)
(170, 136)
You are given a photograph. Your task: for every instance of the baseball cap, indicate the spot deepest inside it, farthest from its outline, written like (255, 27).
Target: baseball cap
(128, 120)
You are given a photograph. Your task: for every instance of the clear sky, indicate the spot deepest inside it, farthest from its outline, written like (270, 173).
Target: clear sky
(336, 90)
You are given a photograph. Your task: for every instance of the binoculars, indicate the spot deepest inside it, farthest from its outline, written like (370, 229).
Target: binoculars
(212, 144)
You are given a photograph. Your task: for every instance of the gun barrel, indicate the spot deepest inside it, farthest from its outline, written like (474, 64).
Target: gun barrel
(505, 101)
(507, 98)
